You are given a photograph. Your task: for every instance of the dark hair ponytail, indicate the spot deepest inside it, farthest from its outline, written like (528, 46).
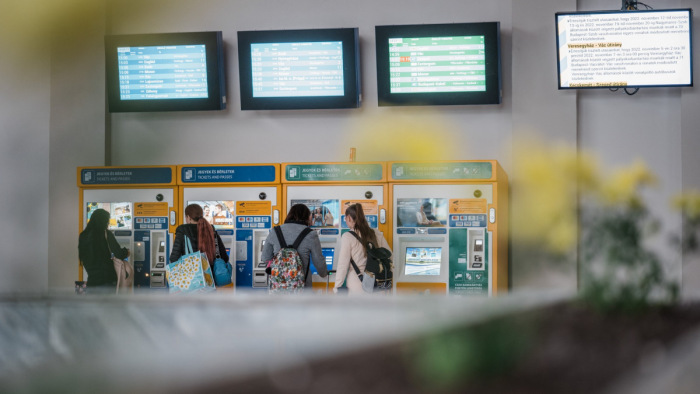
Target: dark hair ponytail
(357, 214)
(205, 233)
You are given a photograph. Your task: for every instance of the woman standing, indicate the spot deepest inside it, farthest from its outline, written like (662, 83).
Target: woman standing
(298, 218)
(201, 234)
(95, 247)
(350, 247)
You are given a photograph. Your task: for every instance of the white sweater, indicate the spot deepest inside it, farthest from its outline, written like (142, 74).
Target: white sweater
(351, 247)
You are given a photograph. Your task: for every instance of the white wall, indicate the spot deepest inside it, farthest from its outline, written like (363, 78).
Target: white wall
(24, 148)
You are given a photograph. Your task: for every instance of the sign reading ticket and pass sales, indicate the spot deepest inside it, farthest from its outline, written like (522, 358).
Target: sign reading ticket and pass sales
(126, 176)
(334, 172)
(417, 171)
(228, 174)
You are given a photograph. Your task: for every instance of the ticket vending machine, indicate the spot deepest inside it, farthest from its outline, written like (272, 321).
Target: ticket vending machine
(327, 189)
(450, 227)
(243, 202)
(142, 202)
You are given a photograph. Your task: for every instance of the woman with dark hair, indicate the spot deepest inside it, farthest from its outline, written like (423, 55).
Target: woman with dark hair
(201, 234)
(298, 218)
(352, 248)
(95, 247)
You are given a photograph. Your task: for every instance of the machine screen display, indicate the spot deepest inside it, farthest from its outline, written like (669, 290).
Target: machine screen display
(324, 213)
(423, 261)
(219, 213)
(421, 212)
(328, 254)
(120, 217)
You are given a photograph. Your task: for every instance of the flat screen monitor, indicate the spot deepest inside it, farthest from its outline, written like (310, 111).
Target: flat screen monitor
(423, 261)
(165, 72)
(440, 64)
(624, 49)
(120, 214)
(220, 213)
(328, 254)
(299, 69)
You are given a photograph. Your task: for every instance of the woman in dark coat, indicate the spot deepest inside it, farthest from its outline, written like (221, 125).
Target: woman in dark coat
(201, 234)
(94, 247)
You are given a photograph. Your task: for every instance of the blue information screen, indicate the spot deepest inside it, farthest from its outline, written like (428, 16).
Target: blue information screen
(162, 72)
(297, 69)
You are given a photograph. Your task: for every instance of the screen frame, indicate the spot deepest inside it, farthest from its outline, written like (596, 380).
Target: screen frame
(690, 50)
(351, 69)
(216, 79)
(492, 39)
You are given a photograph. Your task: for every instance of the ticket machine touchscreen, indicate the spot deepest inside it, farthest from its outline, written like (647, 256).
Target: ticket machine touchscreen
(328, 254)
(423, 261)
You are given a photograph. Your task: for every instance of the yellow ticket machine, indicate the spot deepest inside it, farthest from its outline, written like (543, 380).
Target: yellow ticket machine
(450, 227)
(142, 202)
(327, 189)
(243, 202)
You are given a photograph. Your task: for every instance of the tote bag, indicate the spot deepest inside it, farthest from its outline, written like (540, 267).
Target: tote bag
(191, 273)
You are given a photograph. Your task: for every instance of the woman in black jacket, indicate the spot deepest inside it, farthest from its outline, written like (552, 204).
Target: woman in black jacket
(201, 235)
(94, 247)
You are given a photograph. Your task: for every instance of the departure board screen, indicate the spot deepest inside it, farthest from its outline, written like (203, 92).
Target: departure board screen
(162, 72)
(437, 64)
(297, 69)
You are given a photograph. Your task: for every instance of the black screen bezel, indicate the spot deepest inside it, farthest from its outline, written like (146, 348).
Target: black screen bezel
(213, 42)
(491, 33)
(351, 69)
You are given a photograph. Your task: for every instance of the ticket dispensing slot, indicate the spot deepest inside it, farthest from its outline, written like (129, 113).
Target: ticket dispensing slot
(477, 249)
(158, 258)
(259, 275)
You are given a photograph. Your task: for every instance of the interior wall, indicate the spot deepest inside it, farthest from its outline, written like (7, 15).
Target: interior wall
(531, 103)
(24, 148)
(233, 135)
(77, 125)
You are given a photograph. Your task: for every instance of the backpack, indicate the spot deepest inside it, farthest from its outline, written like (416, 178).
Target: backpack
(378, 265)
(285, 270)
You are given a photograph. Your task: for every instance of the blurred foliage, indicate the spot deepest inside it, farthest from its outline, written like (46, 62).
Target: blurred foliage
(688, 203)
(444, 361)
(564, 201)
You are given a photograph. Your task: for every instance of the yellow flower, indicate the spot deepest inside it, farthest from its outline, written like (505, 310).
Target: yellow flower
(688, 203)
(623, 185)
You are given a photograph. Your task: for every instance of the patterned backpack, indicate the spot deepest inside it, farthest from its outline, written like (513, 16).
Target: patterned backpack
(286, 268)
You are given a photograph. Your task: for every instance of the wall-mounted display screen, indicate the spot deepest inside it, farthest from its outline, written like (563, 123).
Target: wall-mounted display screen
(443, 64)
(220, 213)
(423, 261)
(421, 212)
(620, 49)
(120, 216)
(165, 72)
(328, 254)
(299, 69)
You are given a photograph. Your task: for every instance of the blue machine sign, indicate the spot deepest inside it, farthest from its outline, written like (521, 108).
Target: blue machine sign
(228, 174)
(120, 176)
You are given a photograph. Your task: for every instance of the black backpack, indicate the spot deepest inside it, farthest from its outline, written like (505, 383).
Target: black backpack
(378, 265)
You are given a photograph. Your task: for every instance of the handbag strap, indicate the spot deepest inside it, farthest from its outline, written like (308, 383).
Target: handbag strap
(108, 247)
(357, 270)
(188, 246)
(216, 244)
